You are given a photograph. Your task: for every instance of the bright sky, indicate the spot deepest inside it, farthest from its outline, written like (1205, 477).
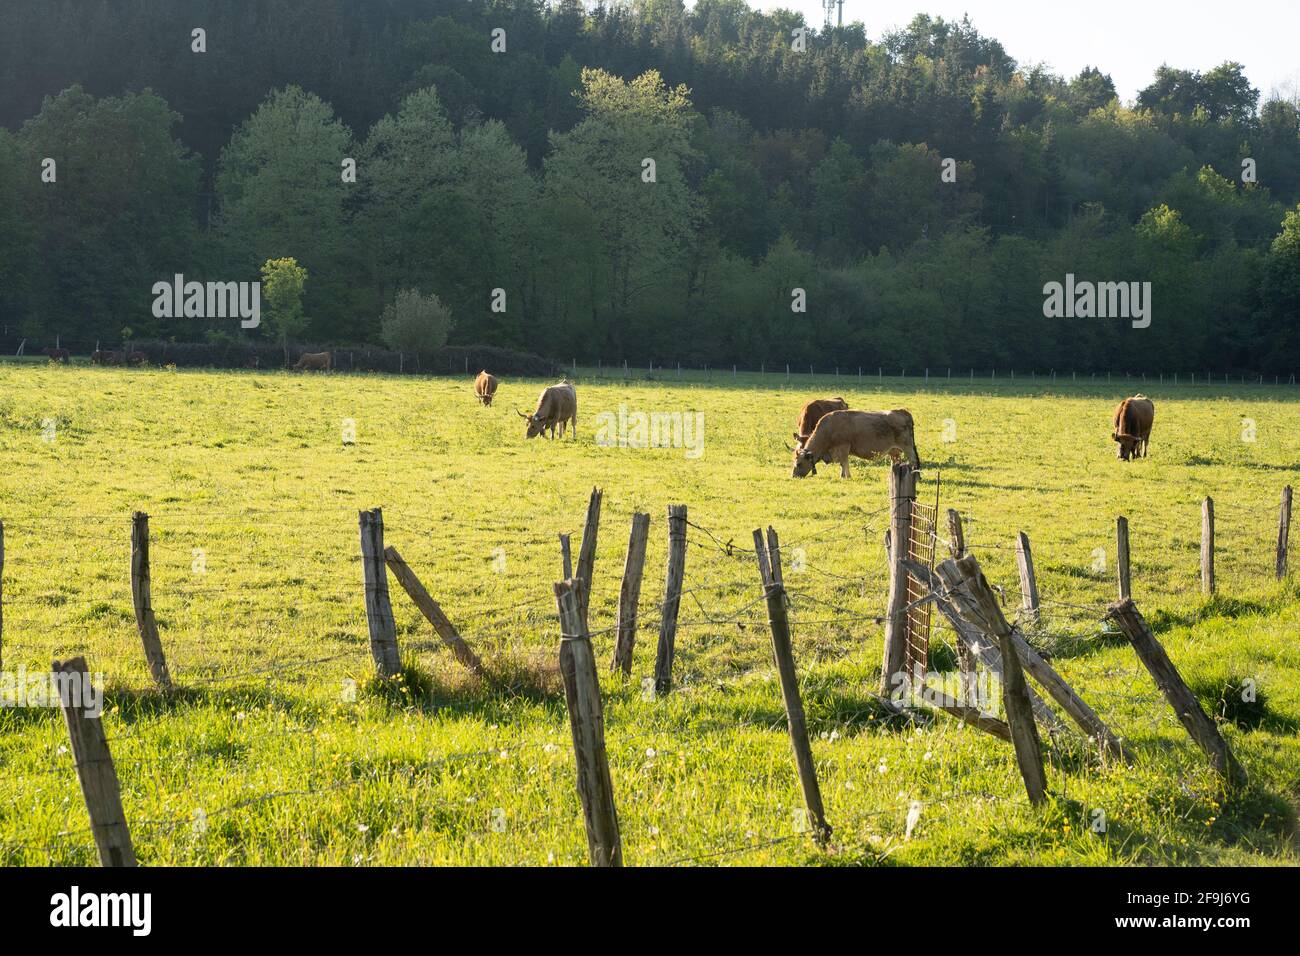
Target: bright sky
(1128, 39)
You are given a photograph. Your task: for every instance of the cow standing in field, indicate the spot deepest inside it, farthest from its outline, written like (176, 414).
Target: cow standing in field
(314, 361)
(137, 358)
(58, 355)
(485, 386)
(107, 357)
(1133, 420)
(557, 405)
(862, 434)
(812, 413)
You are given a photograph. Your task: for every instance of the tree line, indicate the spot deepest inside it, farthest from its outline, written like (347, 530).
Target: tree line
(639, 181)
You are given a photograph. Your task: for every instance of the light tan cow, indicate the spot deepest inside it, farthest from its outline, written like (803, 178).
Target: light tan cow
(557, 405)
(812, 413)
(315, 361)
(862, 434)
(485, 386)
(1133, 420)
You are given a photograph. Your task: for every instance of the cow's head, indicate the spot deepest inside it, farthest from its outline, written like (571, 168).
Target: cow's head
(804, 463)
(1127, 445)
(535, 424)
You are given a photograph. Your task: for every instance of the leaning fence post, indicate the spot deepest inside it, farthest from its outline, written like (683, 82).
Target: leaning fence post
(968, 589)
(1028, 582)
(1283, 533)
(587, 722)
(1186, 707)
(141, 598)
(672, 598)
(902, 492)
(587, 551)
(629, 595)
(778, 619)
(1121, 557)
(432, 611)
(760, 554)
(1207, 546)
(95, 771)
(774, 556)
(379, 609)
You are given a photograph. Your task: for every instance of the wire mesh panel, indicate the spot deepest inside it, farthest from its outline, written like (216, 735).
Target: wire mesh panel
(921, 549)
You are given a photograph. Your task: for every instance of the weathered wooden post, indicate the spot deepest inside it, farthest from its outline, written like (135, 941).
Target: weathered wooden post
(956, 536)
(760, 554)
(1121, 557)
(587, 722)
(142, 599)
(902, 493)
(779, 621)
(432, 612)
(970, 592)
(774, 556)
(379, 609)
(672, 598)
(1207, 546)
(95, 771)
(1186, 707)
(629, 595)
(1028, 582)
(587, 551)
(1283, 533)
(566, 556)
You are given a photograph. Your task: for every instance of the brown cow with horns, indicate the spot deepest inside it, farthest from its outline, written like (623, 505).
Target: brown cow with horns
(1133, 420)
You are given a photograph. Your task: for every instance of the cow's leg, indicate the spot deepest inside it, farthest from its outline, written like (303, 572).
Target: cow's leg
(844, 463)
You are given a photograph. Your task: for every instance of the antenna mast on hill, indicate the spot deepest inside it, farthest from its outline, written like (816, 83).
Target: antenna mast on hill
(830, 7)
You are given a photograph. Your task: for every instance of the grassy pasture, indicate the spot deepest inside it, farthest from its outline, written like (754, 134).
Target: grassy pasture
(263, 759)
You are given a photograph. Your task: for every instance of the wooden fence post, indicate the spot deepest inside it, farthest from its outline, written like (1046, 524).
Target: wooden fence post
(1207, 546)
(672, 598)
(1121, 557)
(629, 595)
(432, 612)
(95, 771)
(379, 609)
(566, 556)
(1186, 707)
(902, 492)
(774, 556)
(1283, 533)
(587, 722)
(779, 621)
(956, 536)
(760, 554)
(587, 551)
(142, 599)
(971, 593)
(1028, 581)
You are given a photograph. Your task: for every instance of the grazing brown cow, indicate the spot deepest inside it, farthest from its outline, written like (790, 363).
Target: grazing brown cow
(812, 413)
(58, 355)
(557, 405)
(107, 357)
(485, 386)
(1133, 419)
(864, 434)
(137, 358)
(315, 361)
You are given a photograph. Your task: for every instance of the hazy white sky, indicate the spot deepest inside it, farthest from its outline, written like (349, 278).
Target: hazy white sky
(1126, 38)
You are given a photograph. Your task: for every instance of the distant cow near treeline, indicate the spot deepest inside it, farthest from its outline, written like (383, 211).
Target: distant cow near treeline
(1133, 420)
(862, 434)
(314, 361)
(58, 355)
(485, 386)
(557, 405)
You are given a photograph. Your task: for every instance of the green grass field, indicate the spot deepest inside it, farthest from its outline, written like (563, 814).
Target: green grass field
(263, 758)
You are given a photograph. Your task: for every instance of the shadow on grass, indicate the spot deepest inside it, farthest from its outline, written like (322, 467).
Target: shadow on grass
(1216, 607)
(530, 676)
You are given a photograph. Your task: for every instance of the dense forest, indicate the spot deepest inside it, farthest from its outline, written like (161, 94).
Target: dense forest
(920, 188)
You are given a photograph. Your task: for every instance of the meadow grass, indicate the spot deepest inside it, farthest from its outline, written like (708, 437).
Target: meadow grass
(267, 756)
